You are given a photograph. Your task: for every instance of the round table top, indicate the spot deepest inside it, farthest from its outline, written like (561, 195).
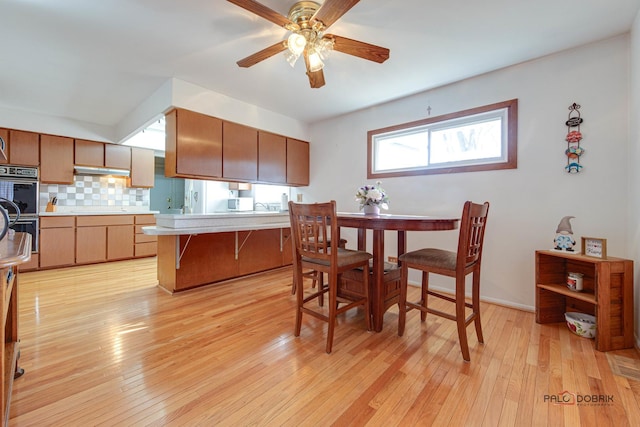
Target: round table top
(397, 222)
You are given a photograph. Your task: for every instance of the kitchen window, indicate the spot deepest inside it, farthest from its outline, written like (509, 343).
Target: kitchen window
(479, 139)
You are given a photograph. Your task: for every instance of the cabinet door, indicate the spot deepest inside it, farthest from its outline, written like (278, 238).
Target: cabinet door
(89, 153)
(297, 162)
(91, 244)
(24, 148)
(287, 247)
(272, 158)
(142, 168)
(117, 156)
(119, 241)
(4, 134)
(239, 152)
(57, 247)
(193, 145)
(57, 159)
(260, 250)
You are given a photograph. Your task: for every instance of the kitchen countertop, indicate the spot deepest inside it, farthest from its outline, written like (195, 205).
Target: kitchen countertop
(173, 225)
(107, 212)
(15, 249)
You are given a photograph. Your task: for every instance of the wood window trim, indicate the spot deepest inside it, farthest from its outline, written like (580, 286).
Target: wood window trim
(512, 142)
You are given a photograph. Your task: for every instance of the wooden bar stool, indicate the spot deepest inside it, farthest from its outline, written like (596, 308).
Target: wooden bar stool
(453, 264)
(312, 233)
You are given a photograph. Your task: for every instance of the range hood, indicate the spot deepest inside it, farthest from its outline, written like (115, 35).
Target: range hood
(88, 170)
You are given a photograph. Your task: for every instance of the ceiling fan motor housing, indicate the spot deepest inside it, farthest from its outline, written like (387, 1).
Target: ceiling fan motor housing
(302, 12)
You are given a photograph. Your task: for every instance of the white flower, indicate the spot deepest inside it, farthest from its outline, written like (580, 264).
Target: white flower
(374, 195)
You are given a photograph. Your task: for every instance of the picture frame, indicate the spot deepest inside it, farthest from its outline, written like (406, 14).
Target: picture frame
(595, 247)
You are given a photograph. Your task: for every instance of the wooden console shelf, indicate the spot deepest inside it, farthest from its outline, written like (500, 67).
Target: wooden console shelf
(607, 294)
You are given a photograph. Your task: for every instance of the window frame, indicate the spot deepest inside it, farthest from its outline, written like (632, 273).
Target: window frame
(512, 143)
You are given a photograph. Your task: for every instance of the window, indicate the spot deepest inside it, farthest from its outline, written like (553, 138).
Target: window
(479, 139)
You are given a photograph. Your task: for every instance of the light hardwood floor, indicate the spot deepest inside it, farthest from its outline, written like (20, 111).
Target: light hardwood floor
(103, 345)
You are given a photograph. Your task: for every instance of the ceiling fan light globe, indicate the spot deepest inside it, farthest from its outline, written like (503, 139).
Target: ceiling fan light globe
(315, 62)
(296, 43)
(291, 57)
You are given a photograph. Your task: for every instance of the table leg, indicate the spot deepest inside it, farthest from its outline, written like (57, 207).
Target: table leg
(378, 280)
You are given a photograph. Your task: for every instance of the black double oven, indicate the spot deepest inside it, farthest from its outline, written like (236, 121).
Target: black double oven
(20, 185)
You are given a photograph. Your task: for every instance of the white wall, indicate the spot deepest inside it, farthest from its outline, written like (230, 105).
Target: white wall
(526, 203)
(634, 173)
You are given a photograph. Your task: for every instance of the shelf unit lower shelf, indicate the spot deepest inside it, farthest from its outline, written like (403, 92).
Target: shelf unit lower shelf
(607, 294)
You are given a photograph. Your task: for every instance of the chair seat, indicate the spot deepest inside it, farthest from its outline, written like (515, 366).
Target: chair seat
(430, 257)
(345, 257)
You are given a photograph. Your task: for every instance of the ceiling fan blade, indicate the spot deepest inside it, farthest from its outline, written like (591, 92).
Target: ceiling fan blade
(266, 13)
(262, 55)
(360, 49)
(332, 10)
(316, 78)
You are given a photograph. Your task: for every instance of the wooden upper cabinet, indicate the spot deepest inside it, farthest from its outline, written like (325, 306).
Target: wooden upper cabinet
(4, 146)
(297, 162)
(117, 156)
(239, 152)
(89, 153)
(24, 148)
(272, 158)
(56, 165)
(142, 168)
(193, 145)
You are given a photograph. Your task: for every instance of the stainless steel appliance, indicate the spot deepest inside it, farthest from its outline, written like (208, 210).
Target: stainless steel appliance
(20, 184)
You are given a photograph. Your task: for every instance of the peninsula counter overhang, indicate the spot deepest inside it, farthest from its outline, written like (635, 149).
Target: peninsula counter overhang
(175, 225)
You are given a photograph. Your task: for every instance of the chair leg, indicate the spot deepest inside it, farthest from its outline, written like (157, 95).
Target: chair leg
(298, 283)
(367, 304)
(319, 280)
(423, 298)
(475, 300)
(333, 303)
(402, 299)
(460, 318)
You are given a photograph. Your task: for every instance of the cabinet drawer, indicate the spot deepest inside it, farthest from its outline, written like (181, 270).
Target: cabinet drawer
(145, 219)
(146, 249)
(57, 221)
(139, 228)
(144, 238)
(91, 220)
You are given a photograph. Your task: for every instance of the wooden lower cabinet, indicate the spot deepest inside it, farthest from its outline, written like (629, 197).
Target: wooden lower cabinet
(57, 241)
(206, 258)
(87, 239)
(189, 261)
(259, 250)
(91, 244)
(119, 242)
(145, 245)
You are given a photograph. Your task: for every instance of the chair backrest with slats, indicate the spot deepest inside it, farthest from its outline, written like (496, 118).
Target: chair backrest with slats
(311, 229)
(472, 227)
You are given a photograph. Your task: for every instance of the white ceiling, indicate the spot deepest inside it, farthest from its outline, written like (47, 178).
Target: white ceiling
(95, 61)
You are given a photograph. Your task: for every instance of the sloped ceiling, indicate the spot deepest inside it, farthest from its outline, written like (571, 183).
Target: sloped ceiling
(96, 61)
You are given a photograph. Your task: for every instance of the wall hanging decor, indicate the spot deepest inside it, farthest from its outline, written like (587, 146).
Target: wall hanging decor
(573, 138)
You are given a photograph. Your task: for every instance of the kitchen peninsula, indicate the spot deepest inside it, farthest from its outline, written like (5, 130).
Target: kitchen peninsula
(199, 249)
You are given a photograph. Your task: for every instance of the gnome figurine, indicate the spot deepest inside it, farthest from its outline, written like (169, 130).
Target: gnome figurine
(564, 235)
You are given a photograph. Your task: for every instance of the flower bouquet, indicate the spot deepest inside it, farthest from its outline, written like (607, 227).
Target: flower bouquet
(372, 195)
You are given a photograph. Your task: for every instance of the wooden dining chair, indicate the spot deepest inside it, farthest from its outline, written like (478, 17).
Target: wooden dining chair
(316, 277)
(457, 264)
(312, 233)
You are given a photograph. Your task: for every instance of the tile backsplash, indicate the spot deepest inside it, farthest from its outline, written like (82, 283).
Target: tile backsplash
(93, 190)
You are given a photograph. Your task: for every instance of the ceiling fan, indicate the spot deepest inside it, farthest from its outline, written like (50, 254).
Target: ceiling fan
(307, 21)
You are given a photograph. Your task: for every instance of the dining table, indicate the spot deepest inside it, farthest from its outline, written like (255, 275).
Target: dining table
(385, 276)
